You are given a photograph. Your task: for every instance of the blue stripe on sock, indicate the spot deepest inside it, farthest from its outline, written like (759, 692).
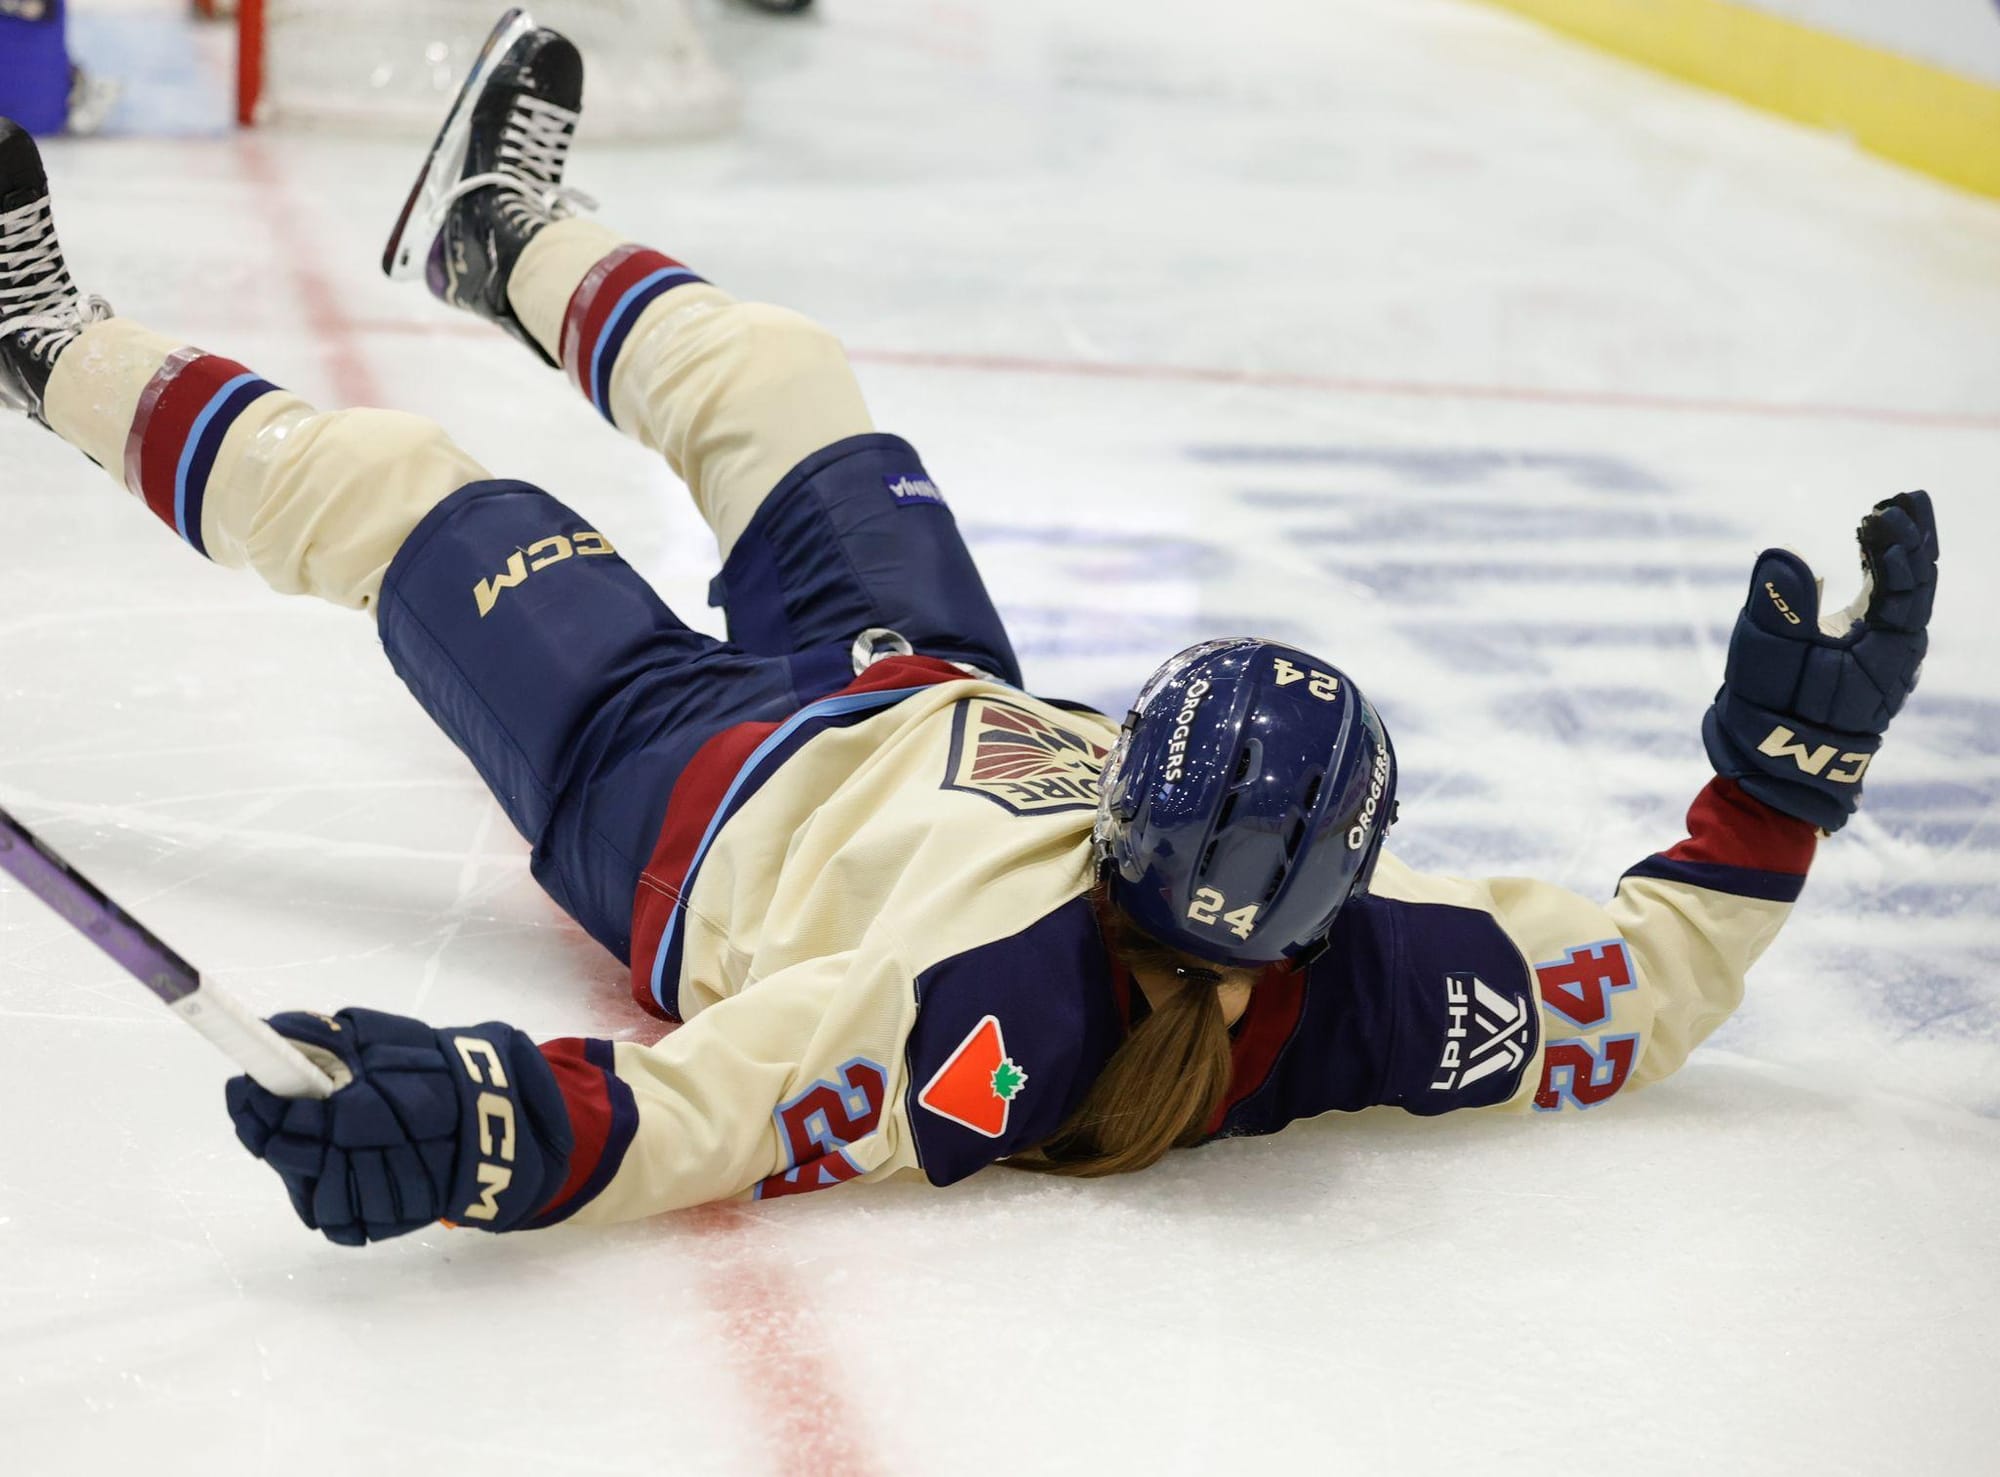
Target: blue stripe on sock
(604, 358)
(203, 442)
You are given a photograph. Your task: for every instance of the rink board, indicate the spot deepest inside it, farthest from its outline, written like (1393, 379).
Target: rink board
(1943, 122)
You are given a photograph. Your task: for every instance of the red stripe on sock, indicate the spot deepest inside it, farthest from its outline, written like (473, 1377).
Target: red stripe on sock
(168, 408)
(596, 295)
(149, 402)
(1728, 827)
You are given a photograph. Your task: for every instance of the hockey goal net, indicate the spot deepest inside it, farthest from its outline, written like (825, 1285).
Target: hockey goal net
(393, 65)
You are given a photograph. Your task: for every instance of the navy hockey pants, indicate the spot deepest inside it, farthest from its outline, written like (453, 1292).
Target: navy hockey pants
(580, 697)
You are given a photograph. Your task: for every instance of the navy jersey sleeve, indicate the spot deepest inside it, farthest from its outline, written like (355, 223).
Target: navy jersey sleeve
(1007, 1040)
(1422, 1006)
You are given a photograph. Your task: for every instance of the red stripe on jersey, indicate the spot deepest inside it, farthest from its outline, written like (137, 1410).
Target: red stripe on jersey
(168, 407)
(1729, 827)
(904, 671)
(589, 1106)
(700, 791)
(603, 1117)
(696, 796)
(1276, 1002)
(596, 295)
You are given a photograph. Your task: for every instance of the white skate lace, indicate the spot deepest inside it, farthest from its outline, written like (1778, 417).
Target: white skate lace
(37, 299)
(534, 146)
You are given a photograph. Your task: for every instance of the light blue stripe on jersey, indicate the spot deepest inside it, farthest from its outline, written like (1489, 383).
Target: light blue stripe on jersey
(201, 421)
(832, 707)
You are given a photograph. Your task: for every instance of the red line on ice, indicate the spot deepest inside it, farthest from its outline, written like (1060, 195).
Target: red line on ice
(339, 335)
(1426, 390)
(779, 1350)
(771, 1336)
(1279, 379)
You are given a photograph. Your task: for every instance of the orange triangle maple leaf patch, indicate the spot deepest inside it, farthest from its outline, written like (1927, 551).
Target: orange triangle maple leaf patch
(978, 1083)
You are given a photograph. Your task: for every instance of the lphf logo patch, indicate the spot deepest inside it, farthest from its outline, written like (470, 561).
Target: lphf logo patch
(978, 1083)
(1485, 1032)
(1020, 761)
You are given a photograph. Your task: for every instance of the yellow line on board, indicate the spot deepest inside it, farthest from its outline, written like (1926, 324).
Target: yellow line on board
(1936, 121)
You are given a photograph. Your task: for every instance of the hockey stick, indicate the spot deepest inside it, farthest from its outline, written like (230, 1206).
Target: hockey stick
(271, 1060)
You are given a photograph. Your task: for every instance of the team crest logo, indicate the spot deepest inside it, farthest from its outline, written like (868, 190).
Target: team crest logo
(978, 1083)
(1019, 761)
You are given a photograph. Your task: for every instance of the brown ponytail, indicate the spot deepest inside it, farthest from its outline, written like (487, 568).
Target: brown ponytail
(1159, 1090)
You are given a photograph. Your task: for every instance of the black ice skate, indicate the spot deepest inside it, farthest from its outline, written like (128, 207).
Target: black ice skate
(494, 176)
(41, 312)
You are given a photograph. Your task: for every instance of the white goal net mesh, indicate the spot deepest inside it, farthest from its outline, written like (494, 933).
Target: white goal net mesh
(393, 65)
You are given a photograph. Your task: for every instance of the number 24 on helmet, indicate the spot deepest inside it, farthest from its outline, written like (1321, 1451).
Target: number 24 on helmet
(1245, 802)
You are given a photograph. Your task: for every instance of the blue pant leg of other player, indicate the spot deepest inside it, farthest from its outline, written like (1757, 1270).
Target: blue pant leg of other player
(34, 65)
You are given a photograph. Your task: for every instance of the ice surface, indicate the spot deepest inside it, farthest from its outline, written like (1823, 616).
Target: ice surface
(1400, 328)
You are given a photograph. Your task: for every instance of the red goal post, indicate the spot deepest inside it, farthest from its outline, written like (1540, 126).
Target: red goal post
(393, 65)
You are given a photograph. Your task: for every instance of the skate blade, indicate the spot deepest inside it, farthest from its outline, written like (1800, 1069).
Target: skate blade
(423, 212)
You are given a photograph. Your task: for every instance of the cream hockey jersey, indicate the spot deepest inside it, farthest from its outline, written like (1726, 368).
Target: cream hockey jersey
(875, 921)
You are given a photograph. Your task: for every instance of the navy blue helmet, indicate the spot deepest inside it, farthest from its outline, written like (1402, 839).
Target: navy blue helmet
(1245, 802)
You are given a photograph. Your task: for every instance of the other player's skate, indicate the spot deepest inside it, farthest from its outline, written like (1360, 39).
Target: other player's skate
(493, 177)
(41, 312)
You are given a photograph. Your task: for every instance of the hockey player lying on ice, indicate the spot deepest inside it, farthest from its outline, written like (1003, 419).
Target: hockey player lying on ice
(913, 917)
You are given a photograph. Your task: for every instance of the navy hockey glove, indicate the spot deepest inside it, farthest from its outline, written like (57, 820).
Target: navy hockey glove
(465, 1124)
(1805, 699)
